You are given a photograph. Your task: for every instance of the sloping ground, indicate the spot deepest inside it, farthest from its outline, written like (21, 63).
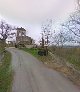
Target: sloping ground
(5, 73)
(64, 67)
(2, 45)
(30, 75)
(68, 60)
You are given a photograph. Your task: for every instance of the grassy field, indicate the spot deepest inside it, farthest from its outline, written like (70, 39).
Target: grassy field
(5, 73)
(71, 55)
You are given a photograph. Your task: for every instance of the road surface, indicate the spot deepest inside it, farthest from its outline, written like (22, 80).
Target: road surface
(30, 75)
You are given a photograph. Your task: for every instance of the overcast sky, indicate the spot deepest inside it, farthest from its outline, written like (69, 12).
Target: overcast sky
(31, 13)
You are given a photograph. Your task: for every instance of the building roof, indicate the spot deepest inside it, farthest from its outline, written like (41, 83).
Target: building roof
(21, 29)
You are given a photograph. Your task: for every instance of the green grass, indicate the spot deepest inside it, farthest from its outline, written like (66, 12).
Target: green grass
(1, 48)
(5, 73)
(71, 55)
(32, 51)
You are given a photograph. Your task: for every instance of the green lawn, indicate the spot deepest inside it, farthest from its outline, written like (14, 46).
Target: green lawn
(5, 73)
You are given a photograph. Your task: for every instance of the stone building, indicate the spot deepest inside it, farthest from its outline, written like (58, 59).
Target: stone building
(21, 37)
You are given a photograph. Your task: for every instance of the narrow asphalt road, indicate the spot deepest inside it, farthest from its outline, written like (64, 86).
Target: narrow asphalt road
(30, 75)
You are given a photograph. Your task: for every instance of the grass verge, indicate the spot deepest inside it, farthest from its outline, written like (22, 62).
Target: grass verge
(5, 73)
(32, 51)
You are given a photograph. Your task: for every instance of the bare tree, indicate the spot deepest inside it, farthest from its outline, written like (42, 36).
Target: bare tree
(42, 42)
(61, 38)
(73, 25)
(5, 30)
(46, 31)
